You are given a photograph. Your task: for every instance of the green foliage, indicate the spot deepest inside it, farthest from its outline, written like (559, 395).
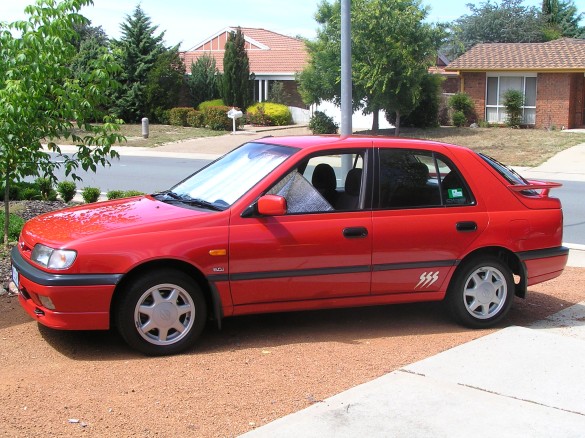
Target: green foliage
(562, 20)
(462, 102)
(278, 94)
(321, 123)
(178, 116)
(90, 194)
(195, 119)
(14, 226)
(138, 51)
(208, 103)
(129, 193)
(490, 22)
(91, 44)
(513, 102)
(204, 80)
(269, 114)
(392, 48)
(164, 83)
(115, 194)
(459, 119)
(66, 190)
(30, 194)
(216, 118)
(42, 99)
(45, 186)
(236, 71)
(426, 112)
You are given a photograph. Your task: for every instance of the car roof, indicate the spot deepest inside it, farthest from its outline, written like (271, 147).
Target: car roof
(333, 141)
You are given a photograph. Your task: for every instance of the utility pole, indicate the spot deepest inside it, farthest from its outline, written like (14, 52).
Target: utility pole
(346, 106)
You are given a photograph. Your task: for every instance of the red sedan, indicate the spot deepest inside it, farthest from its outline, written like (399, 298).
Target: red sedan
(298, 223)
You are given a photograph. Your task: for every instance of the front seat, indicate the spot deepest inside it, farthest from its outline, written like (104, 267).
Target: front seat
(349, 199)
(325, 182)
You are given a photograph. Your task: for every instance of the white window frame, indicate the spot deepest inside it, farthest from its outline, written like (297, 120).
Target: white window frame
(499, 107)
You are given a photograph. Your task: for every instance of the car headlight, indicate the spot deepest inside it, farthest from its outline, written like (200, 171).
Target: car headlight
(53, 258)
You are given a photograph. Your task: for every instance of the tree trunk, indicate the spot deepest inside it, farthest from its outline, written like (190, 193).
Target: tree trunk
(6, 210)
(375, 121)
(397, 124)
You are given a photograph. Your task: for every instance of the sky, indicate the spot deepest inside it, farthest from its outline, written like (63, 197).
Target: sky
(189, 22)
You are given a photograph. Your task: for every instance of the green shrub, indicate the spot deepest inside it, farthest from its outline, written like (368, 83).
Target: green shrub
(15, 224)
(45, 186)
(462, 102)
(321, 123)
(269, 114)
(513, 102)
(67, 190)
(178, 116)
(30, 194)
(195, 119)
(277, 93)
(115, 194)
(459, 119)
(216, 118)
(208, 103)
(130, 193)
(90, 194)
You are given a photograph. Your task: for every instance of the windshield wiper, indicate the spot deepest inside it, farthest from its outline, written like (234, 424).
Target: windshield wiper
(200, 203)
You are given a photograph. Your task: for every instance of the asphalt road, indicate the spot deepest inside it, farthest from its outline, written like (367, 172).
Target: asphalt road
(149, 175)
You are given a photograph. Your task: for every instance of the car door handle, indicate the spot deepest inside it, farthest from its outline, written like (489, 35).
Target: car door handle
(355, 232)
(466, 226)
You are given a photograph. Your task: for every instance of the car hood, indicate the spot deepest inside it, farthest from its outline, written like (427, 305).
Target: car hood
(107, 219)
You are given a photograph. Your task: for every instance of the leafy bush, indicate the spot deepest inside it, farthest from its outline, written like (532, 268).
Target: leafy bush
(15, 224)
(90, 194)
(115, 194)
(216, 118)
(196, 119)
(277, 93)
(426, 112)
(130, 193)
(67, 190)
(209, 103)
(459, 119)
(513, 102)
(321, 123)
(178, 116)
(269, 114)
(463, 103)
(45, 186)
(29, 194)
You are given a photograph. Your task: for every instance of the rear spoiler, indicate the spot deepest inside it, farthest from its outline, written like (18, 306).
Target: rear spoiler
(543, 186)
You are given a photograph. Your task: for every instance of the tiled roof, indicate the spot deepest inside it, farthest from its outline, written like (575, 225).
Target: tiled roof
(562, 54)
(268, 52)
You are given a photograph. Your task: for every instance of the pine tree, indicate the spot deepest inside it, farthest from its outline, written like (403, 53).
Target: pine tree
(139, 50)
(236, 71)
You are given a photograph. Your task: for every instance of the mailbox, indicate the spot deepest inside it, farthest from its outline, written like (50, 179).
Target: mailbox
(234, 114)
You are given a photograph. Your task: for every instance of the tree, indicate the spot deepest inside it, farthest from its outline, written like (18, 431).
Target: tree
(138, 51)
(91, 43)
(562, 20)
(164, 83)
(41, 100)
(204, 80)
(392, 48)
(236, 71)
(507, 22)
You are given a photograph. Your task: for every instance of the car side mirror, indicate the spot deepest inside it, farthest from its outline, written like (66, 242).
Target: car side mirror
(272, 205)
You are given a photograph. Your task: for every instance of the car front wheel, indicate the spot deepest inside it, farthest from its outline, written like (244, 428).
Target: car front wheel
(162, 313)
(481, 292)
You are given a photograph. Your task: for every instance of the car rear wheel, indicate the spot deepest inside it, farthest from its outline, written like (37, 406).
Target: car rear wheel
(481, 292)
(162, 313)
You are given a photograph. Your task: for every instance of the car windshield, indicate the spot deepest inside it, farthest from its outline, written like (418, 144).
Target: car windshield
(224, 181)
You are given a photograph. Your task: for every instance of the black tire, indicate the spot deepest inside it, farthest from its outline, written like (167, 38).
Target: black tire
(481, 292)
(161, 313)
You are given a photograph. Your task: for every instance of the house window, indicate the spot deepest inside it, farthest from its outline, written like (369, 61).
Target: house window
(497, 87)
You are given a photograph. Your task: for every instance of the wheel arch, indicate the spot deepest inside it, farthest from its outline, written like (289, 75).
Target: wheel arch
(212, 299)
(509, 258)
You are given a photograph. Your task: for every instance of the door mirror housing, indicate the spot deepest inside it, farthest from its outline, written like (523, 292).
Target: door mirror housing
(272, 205)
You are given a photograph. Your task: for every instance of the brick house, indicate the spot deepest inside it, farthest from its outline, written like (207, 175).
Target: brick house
(272, 56)
(551, 75)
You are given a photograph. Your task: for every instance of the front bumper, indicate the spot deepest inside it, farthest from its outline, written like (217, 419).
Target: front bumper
(81, 302)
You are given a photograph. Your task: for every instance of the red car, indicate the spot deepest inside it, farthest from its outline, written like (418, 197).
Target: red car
(298, 223)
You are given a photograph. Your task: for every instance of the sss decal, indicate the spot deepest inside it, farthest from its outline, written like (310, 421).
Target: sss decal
(427, 279)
